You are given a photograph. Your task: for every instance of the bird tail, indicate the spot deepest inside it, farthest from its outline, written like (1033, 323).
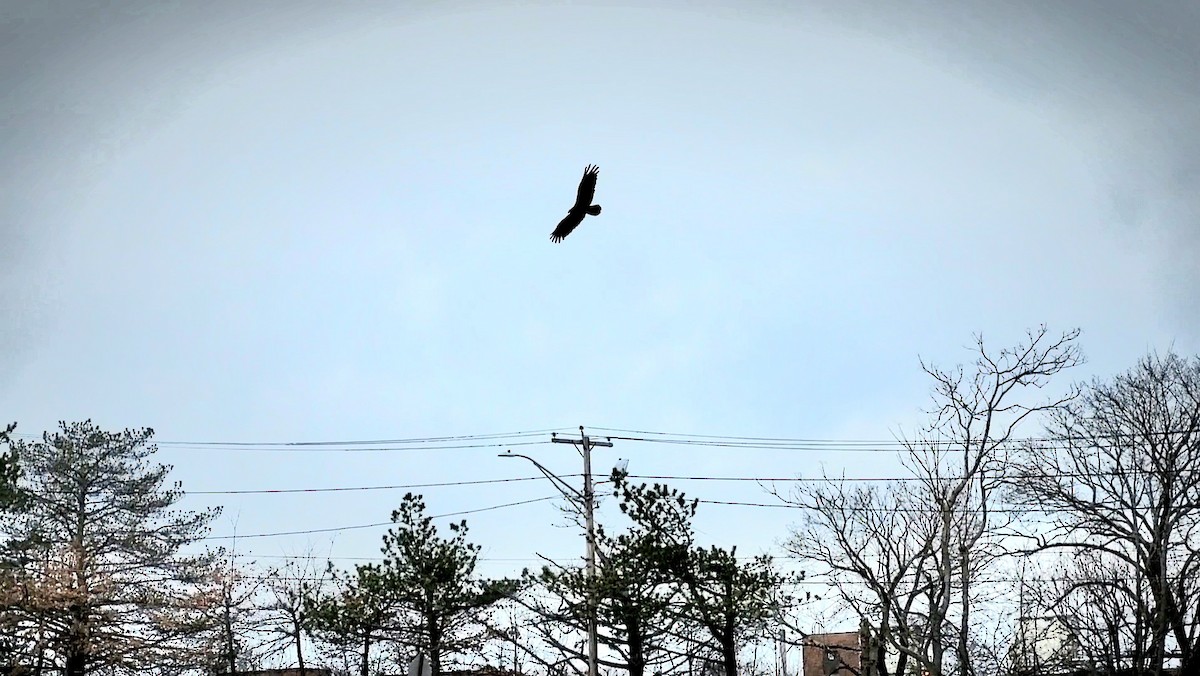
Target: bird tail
(594, 210)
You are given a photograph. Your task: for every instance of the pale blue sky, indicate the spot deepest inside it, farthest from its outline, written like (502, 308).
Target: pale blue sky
(290, 222)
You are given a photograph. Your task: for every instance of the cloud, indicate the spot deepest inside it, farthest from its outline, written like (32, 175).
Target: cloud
(1124, 72)
(87, 80)
(83, 83)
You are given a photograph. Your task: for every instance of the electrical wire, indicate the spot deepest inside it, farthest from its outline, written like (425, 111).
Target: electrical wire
(904, 510)
(372, 525)
(442, 484)
(656, 477)
(375, 442)
(876, 442)
(646, 436)
(355, 449)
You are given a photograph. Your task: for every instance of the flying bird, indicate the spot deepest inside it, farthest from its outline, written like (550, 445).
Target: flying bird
(583, 205)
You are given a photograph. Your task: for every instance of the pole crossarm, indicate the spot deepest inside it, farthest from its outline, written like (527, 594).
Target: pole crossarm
(584, 439)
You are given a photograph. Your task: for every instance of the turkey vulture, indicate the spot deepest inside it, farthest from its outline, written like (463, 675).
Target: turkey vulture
(583, 205)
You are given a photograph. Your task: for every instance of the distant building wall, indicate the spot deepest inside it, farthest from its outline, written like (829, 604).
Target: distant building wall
(833, 654)
(1043, 644)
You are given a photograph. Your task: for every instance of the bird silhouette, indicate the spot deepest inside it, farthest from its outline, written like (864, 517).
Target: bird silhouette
(583, 205)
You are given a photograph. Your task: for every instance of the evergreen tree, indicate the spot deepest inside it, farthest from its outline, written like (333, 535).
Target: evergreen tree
(104, 583)
(431, 580)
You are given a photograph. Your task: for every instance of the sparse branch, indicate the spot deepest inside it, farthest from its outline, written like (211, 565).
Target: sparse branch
(913, 580)
(1125, 494)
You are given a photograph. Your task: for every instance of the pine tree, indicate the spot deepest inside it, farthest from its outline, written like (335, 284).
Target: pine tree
(432, 582)
(104, 580)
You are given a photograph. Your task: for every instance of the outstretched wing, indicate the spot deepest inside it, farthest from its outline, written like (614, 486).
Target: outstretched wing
(587, 187)
(566, 225)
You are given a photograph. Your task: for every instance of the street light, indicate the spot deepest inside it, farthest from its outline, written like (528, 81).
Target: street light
(568, 491)
(588, 503)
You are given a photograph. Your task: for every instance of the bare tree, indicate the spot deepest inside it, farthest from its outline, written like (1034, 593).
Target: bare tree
(1123, 483)
(1093, 602)
(229, 645)
(906, 557)
(291, 589)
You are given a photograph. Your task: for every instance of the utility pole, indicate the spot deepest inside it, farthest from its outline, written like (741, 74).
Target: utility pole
(589, 502)
(781, 648)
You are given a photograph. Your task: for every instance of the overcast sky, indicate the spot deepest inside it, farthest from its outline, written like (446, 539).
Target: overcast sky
(273, 222)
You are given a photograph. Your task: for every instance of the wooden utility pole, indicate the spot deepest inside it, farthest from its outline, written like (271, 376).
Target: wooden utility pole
(781, 648)
(589, 502)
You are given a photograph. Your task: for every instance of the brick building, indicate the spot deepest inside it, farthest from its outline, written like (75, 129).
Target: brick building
(839, 654)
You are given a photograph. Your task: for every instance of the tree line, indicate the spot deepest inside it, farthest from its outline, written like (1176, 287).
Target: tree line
(1075, 551)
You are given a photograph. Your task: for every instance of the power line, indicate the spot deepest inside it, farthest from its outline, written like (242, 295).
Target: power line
(740, 438)
(375, 442)
(905, 510)
(373, 525)
(666, 477)
(844, 479)
(781, 505)
(442, 484)
(314, 557)
(647, 436)
(899, 443)
(183, 446)
(765, 445)
(840, 446)
(528, 438)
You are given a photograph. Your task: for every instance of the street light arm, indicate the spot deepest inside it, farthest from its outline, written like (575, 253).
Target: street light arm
(563, 487)
(586, 500)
